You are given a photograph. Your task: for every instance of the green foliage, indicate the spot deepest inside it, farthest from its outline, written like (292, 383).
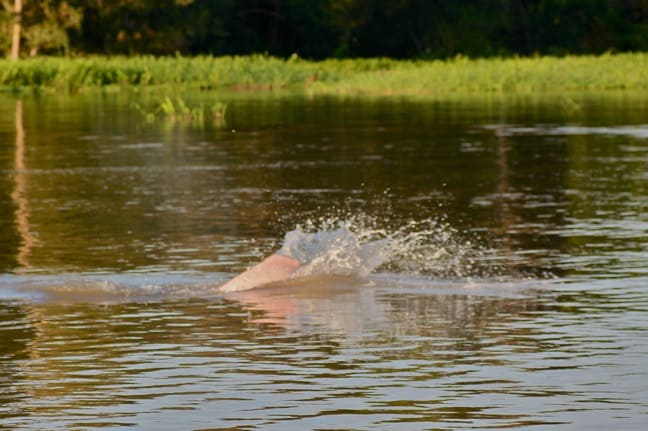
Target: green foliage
(512, 75)
(332, 28)
(218, 110)
(45, 25)
(174, 110)
(6, 22)
(424, 28)
(361, 76)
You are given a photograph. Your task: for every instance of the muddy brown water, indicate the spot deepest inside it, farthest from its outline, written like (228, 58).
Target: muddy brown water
(520, 300)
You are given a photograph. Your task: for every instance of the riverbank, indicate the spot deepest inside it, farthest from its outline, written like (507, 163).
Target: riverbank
(349, 77)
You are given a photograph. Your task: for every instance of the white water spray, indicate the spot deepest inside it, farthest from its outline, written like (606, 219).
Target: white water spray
(358, 246)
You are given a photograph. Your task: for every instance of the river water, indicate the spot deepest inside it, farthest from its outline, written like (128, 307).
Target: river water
(512, 289)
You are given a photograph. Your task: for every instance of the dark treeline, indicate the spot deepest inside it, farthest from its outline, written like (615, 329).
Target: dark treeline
(328, 28)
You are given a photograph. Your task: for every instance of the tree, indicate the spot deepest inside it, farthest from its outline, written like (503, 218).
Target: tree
(325, 28)
(10, 27)
(15, 38)
(39, 26)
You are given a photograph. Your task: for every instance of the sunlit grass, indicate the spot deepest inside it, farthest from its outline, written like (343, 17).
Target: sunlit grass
(351, 77)
(178, 110)
(611, 72)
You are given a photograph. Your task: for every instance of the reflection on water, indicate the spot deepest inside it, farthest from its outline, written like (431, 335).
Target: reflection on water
(19, 193)
(116, 233)
(110, 193)
(325, 356)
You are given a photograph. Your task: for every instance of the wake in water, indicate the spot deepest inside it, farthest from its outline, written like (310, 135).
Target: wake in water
(114, 288)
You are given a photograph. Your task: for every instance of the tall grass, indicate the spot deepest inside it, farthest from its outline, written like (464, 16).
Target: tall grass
(178, 110)
(542, 74)
(359, 76)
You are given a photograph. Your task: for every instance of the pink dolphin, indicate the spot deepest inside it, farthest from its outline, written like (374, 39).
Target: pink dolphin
(272, 269)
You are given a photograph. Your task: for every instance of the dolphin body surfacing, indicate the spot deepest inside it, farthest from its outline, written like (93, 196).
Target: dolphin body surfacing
(272, 269)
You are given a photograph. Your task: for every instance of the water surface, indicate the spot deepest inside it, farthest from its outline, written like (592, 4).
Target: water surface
(518, 297)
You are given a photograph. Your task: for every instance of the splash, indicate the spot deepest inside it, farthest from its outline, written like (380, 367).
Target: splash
(360, 245)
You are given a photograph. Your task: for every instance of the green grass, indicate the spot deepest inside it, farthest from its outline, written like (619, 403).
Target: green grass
(177, 110)
(349, 77)
(543, 74)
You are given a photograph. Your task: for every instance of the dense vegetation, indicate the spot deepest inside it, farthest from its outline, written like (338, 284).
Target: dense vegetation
(360, 76)
(319, 29)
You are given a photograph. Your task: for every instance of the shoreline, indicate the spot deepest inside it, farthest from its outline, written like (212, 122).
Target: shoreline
(379, 77)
